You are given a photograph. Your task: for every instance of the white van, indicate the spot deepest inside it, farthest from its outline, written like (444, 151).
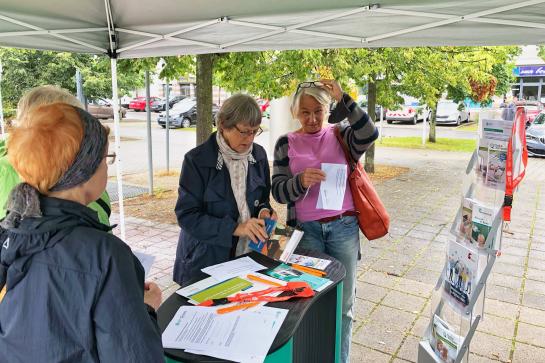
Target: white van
(411, 111)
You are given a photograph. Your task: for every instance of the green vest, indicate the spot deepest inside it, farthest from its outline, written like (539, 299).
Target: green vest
(9, 179)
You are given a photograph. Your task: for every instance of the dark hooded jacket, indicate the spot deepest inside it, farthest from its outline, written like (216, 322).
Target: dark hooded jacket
(74, 292)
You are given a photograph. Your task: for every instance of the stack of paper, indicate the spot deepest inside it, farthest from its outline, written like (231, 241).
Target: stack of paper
(241, 336)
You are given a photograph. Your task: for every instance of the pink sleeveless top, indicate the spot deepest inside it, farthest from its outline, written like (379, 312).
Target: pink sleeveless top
(310, 151)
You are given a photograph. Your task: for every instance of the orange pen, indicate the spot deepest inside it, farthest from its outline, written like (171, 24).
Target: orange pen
(264, 281)
(308, 270)
(237, 307)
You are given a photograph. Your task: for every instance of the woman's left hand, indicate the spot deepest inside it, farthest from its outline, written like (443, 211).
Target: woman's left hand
(266, 213)
(333, 87)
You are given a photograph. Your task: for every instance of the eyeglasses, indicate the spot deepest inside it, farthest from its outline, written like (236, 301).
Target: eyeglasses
(257, 132)
(110, 158)
(308, 84)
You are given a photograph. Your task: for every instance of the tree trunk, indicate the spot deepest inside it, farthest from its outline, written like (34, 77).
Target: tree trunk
(432, 137)
(371, 102)
(205, 63)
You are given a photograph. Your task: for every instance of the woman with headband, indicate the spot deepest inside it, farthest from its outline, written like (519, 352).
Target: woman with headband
(74, 291)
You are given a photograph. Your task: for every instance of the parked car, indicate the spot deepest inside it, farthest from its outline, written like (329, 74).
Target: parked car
(535, 136)
(159, 105)
(264, 106)
(139, 103)
(103, 109)
(377, 111)
(412, 111)
(532, 108)
(184, 114)
(125, 101)
(450, 112)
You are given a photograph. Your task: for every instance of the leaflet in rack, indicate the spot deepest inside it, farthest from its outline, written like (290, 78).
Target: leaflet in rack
(444, 341)
(492, 152)
(461, 276)
(475, 225)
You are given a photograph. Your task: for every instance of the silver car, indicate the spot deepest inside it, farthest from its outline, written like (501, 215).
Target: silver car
(535, 136)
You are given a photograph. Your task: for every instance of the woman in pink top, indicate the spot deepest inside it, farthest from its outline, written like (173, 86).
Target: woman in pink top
(297, 173)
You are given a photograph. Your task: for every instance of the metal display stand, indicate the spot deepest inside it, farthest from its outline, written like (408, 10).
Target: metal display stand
(468, 319)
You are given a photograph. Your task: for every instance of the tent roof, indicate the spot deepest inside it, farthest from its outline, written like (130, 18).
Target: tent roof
(172, 27)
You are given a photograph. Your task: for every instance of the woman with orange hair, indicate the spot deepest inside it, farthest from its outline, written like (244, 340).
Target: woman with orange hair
(74, 291)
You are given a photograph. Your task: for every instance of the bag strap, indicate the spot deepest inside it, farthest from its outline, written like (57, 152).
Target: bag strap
(349, 158)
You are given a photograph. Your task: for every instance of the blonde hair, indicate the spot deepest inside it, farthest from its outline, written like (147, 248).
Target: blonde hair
(44, 146)
(319, 94)
(44, 95)
(239, 108)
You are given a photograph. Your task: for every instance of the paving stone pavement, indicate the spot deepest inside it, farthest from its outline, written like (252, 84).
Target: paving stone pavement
(398, 273)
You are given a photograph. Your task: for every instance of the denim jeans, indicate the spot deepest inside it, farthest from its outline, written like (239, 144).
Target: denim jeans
(340, 239)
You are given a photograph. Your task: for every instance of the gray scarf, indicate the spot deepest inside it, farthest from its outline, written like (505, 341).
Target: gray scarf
(24, 199)
(237, 164)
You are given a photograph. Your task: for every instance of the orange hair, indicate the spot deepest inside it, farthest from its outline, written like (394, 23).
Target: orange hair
(45, 144)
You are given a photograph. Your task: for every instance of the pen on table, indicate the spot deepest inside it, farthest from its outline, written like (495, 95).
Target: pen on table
(237, 307)
(308, 270)
(265, 281)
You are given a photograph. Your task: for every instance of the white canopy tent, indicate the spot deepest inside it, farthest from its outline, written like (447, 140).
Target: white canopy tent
(130, 28)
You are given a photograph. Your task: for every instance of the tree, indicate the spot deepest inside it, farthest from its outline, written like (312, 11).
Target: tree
(205, 64)
(25, 69)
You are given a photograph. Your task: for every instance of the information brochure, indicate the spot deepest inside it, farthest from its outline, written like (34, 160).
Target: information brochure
(492, 152)
(240, 336)
(444, 341)
(475, 225)
(483, 218)
(282, 241)
(312, 262)
(460, 276)
(221, 290)
(286, 273)
(197, 291)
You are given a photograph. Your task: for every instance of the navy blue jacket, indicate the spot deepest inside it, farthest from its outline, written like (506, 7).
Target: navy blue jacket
(74, 292)
(207, 211)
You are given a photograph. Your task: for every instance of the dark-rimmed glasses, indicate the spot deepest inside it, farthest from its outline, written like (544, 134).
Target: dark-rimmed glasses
(257, 132)
(308, 84)
(110, 158)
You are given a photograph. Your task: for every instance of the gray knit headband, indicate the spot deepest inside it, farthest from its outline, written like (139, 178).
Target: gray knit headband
(24, 200)
(90, 154)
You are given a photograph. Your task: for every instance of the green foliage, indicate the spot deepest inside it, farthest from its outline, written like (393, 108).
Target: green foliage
(25, 69)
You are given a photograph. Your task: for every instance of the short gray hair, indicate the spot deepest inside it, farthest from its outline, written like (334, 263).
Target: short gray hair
(239, 108)
(319, 94)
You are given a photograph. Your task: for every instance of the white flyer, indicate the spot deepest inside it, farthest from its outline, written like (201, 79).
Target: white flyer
(146, 261)
(241, 336)
(332, 189)
(233, 268)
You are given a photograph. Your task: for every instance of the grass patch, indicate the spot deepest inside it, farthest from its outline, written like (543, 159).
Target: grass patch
(469, 127)
(442, 144)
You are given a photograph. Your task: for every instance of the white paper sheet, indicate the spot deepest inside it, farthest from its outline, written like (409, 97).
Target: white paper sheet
(332, 189)
(241, 336)
(229, 269)
(146, 261)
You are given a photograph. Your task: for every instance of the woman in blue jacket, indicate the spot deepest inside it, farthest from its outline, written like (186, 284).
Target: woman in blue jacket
(75, 293)
(224, 191)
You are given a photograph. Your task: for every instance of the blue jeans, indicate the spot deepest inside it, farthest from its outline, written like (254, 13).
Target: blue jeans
(341, 240)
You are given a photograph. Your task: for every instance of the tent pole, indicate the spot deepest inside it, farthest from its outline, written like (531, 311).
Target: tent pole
(2, 126)
(148, 138)
(167, 99)
(119, 169)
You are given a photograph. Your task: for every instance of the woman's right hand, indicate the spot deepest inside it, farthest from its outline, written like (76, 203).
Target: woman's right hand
(152, 295)
(253, 228)
(311, 176)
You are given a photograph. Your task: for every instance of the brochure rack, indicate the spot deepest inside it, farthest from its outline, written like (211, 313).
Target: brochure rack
(493, 172)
